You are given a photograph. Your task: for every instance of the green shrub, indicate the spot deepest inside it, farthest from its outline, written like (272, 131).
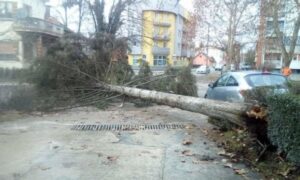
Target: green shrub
(294, 87)
(21, 99)
(186, 83)
(120, 73)
(167, 83)
(177, 81)
(258, 95)
(12, 74)
(144, 77)
(284, 125)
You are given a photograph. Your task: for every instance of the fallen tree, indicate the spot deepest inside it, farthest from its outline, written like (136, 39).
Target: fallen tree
(233, 112)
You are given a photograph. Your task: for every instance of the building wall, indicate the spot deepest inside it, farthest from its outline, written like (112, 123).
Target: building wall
(150, 30)
(10, 49)
(162, 18)
(12, 44)
(38, 7)
(271, 49)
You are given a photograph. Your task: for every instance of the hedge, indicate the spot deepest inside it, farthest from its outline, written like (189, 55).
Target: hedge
(284, 125)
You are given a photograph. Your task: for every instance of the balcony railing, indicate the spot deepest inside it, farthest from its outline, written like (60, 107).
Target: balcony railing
(38, 26)
(160, 37)
(162, 24)
(160, 51)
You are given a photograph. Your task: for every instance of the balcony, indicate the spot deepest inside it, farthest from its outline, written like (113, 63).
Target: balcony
(38, 26)
(162, 24)
(185, 53)
(160, 51)
(159, 37)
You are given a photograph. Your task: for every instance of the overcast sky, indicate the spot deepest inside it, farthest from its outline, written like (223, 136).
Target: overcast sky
(58, 12)
(187, 4)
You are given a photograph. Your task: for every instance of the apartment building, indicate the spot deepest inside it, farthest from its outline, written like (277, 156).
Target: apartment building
(166, 36)
(268, 48)
(26, 29)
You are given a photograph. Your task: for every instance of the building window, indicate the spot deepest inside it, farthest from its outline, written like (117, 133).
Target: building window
(8, 51)
(7, 9)
(156, 16)
(28, 10)
(270, 26)
(273, 56)
(166, 32)
(165, 44)
(166, 18)
(156, 31)
(160, 60)
(135, 60)
(8, 57)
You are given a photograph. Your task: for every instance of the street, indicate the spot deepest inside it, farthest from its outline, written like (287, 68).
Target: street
(44, 146)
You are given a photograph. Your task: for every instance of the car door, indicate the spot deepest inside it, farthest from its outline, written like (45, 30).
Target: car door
(217, 91)
(231, 92)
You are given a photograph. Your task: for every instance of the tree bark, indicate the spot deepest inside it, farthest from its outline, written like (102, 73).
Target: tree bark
(233, 112)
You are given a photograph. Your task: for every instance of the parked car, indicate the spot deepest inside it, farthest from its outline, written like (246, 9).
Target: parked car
(218, 67)
(245, 67)
(230, 86)
(232, 67)
(203, 70)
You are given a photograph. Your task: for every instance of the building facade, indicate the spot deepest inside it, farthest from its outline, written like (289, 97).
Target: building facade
(26, 29)
(268, 47)
(166, 36)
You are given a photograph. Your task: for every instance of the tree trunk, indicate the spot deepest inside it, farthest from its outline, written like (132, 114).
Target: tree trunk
(233, 112)
(66, 16)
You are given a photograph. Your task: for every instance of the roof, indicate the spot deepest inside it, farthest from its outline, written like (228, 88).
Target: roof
(246, 73)
(202, 59)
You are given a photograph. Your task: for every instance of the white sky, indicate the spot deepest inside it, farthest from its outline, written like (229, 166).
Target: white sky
(187, 4)
(58, 11)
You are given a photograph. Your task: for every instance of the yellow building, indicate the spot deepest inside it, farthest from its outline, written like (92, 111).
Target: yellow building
(164, 39)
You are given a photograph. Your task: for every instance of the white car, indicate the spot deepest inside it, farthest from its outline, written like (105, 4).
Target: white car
(219, 67)
(203, 70)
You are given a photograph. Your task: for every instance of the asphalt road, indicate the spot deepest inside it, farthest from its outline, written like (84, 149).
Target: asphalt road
(202, 81)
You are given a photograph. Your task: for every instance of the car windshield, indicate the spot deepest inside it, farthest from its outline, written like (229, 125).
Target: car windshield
(258, 80)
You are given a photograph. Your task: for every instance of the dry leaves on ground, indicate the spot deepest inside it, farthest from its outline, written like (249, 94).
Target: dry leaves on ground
(225, 154)
(112, 158)
(240, 171)
(187, 153)
(187, 142)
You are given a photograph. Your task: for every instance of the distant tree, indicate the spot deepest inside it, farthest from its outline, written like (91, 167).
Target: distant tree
(285, 7)
(145, 75)
(115, 18)
(250, 57)
(226, 21)
(66, 4)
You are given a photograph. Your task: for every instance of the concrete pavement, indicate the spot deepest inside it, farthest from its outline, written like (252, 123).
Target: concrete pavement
(44, 146)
